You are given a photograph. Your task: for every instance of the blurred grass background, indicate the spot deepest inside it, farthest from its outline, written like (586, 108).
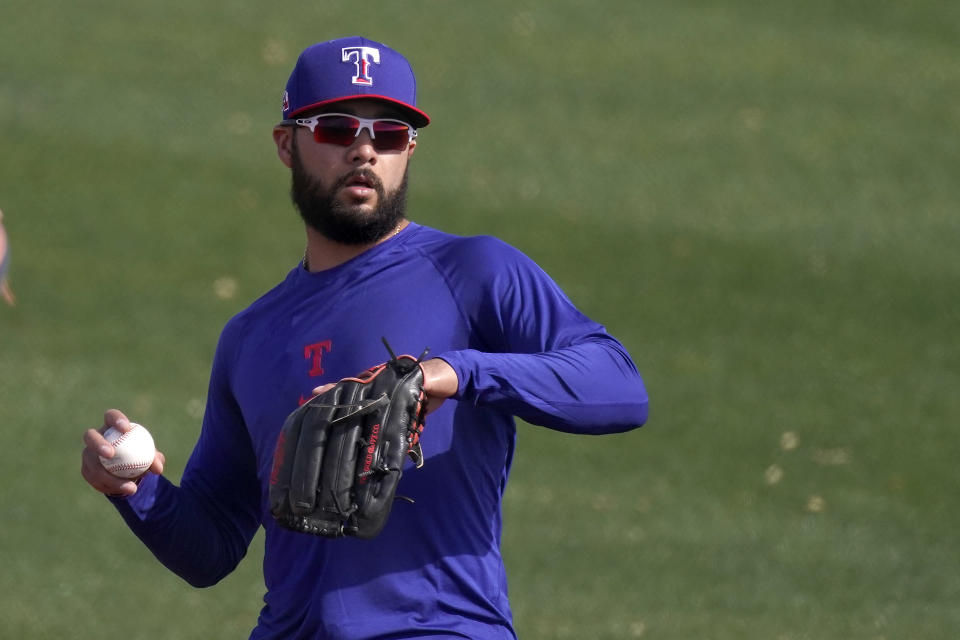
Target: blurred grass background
(756, 197)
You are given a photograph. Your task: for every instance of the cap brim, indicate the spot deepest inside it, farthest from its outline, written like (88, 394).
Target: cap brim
(416, 117)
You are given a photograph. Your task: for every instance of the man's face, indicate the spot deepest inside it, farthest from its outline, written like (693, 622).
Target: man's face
(352, 195)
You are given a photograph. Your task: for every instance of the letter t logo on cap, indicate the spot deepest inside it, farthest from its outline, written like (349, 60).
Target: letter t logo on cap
(361, 58)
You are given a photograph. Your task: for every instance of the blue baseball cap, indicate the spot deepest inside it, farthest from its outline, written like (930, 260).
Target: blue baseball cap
(350, 69)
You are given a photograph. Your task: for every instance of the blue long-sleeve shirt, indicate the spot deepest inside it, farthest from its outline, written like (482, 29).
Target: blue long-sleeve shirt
(519, 348)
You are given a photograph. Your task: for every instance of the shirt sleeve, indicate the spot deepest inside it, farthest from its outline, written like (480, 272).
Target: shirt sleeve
(201, 529)
(540, 358)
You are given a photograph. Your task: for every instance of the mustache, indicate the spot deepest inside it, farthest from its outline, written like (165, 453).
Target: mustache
(365, 174)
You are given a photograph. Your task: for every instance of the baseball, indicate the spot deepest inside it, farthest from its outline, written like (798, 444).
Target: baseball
(134, 451)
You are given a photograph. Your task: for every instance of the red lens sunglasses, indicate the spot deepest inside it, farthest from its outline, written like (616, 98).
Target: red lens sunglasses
(342, 129)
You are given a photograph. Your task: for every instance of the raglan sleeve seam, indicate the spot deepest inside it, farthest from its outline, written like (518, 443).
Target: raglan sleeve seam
(464, 316)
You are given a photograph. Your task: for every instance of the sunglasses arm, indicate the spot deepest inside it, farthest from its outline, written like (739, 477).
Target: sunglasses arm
(308, 123)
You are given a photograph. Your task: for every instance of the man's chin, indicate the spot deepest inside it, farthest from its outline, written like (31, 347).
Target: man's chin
(364, 208)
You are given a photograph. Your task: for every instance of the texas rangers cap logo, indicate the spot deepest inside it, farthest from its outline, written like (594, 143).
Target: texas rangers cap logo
(361, 57)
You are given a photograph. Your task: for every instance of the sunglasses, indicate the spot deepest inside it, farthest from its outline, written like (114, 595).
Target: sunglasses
(342, 129)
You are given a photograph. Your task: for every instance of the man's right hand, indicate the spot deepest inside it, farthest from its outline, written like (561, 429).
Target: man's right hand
(96, 446)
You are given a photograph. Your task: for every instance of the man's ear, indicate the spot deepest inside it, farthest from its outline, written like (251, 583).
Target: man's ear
(283, 137)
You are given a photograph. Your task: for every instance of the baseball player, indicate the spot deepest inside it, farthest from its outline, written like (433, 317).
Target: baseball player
(5, 291)
(505, 342)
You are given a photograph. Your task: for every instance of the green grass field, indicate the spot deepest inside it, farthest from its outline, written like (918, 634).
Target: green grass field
(754, 196)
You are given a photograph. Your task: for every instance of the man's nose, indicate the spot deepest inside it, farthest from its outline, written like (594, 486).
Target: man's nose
(361, 151)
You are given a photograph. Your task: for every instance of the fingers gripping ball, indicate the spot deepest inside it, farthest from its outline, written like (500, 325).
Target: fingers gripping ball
(134, 451)
(339, 457)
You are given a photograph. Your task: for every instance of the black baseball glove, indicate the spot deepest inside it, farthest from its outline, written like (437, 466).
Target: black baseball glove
(339, 456)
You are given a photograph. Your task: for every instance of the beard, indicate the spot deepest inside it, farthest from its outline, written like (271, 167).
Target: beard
(344, 223)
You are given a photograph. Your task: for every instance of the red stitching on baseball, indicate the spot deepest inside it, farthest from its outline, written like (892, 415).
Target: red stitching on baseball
(123, 436)
(130, 465)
